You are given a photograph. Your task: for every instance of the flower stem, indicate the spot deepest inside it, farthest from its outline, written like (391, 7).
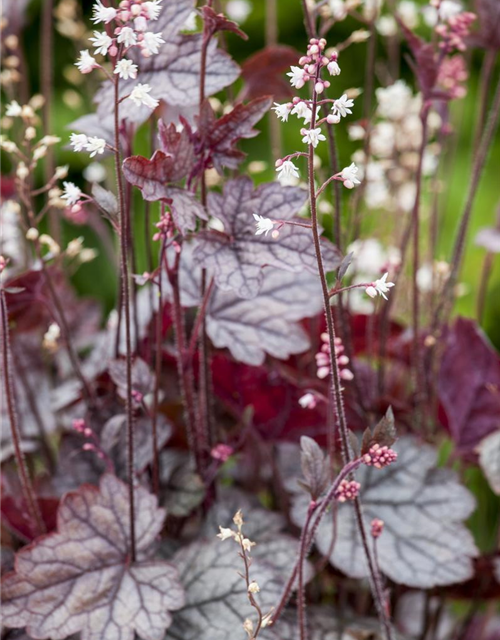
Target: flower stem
(26, 484)
(158, 361)
(417, 360)
(124, 277)
(336, 387)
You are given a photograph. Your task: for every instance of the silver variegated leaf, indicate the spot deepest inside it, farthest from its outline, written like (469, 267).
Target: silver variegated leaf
(267, 324)
(425, 542)
(81, 579)
(237, 256)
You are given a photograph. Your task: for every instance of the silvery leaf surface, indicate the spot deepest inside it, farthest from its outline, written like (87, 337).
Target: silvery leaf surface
(425, 542)
(80, 578)
(237, 256)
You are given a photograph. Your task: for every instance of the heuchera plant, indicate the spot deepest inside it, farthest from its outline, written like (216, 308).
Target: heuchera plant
(250, 445)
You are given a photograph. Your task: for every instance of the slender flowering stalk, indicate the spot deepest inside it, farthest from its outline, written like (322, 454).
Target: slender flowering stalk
(26, 484)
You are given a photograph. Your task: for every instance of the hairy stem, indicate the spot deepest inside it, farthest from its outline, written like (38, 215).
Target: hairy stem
(124, 277)
(336, 387)
(158, 360)
(318, 513)
(26, 484)
(301, 596)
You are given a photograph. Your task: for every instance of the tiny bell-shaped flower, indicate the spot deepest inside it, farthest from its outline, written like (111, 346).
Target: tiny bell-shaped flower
(379, 287)
(282, 110)
(253, 587)
(343, 105)
(308, 401)
(86, 63)
(298, 77)
(225, 534)
(333, 67)
(312, 136)
(140, 95)
(348, 175)
(286, 170)
(102, 13)
(264, 225)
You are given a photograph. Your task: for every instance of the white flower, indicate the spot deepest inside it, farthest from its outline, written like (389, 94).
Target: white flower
(287, 170)
(79, 141)
(86, 63)
(297, 77)
(48, 140)
(95, 145)
(128, 36)
(253, 587)
(238, 10)
(153, 9)
(74, 247)
(338, 9)
(264, 225)
(247, 544)
(225, 534)
(380, 287)
(102, 13)
(140, 96)
(301, 110)
(308, 401)
(72, 193)
(151, 43)
(348, 175)
(333, 68)
(94, 172)
(312, 136)
(140, 24)
(14, 109)
(282, 110)
(387, 26)
(394, 101)
(342, 106)
(126, 69)
(101, 42)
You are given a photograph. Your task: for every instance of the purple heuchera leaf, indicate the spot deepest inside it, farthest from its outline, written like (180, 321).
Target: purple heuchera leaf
(218, 137)
(237, 256)
(266, 324)
(424, 65)
(424, 543)
(469, 385)
(81, 579)
(214, 22)
(169, 164)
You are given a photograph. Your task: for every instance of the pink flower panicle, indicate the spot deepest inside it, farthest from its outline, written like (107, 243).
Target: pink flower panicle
(311, 63)
(323, 359)
(454, 33)
(377, 527)
(347, 490)
(379, 457)
(165, 227)
(452, 72)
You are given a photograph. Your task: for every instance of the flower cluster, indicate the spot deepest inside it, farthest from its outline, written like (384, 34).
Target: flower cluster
(130, 29)
(347, 490)
(323, 359)
(379, 457)
(454, 32)
(395, 139)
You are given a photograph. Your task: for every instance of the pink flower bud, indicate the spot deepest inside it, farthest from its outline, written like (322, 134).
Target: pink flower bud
(113, 50)
(377, 526)
(348, 184)
(278, 163)
(319, 87)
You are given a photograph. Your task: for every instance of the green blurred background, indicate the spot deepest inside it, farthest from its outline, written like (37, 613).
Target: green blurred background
(97, 279)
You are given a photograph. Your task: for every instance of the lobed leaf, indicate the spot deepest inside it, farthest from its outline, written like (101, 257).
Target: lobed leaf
(425, 542)
(81, 578)
(314, 465)
(237, 257)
